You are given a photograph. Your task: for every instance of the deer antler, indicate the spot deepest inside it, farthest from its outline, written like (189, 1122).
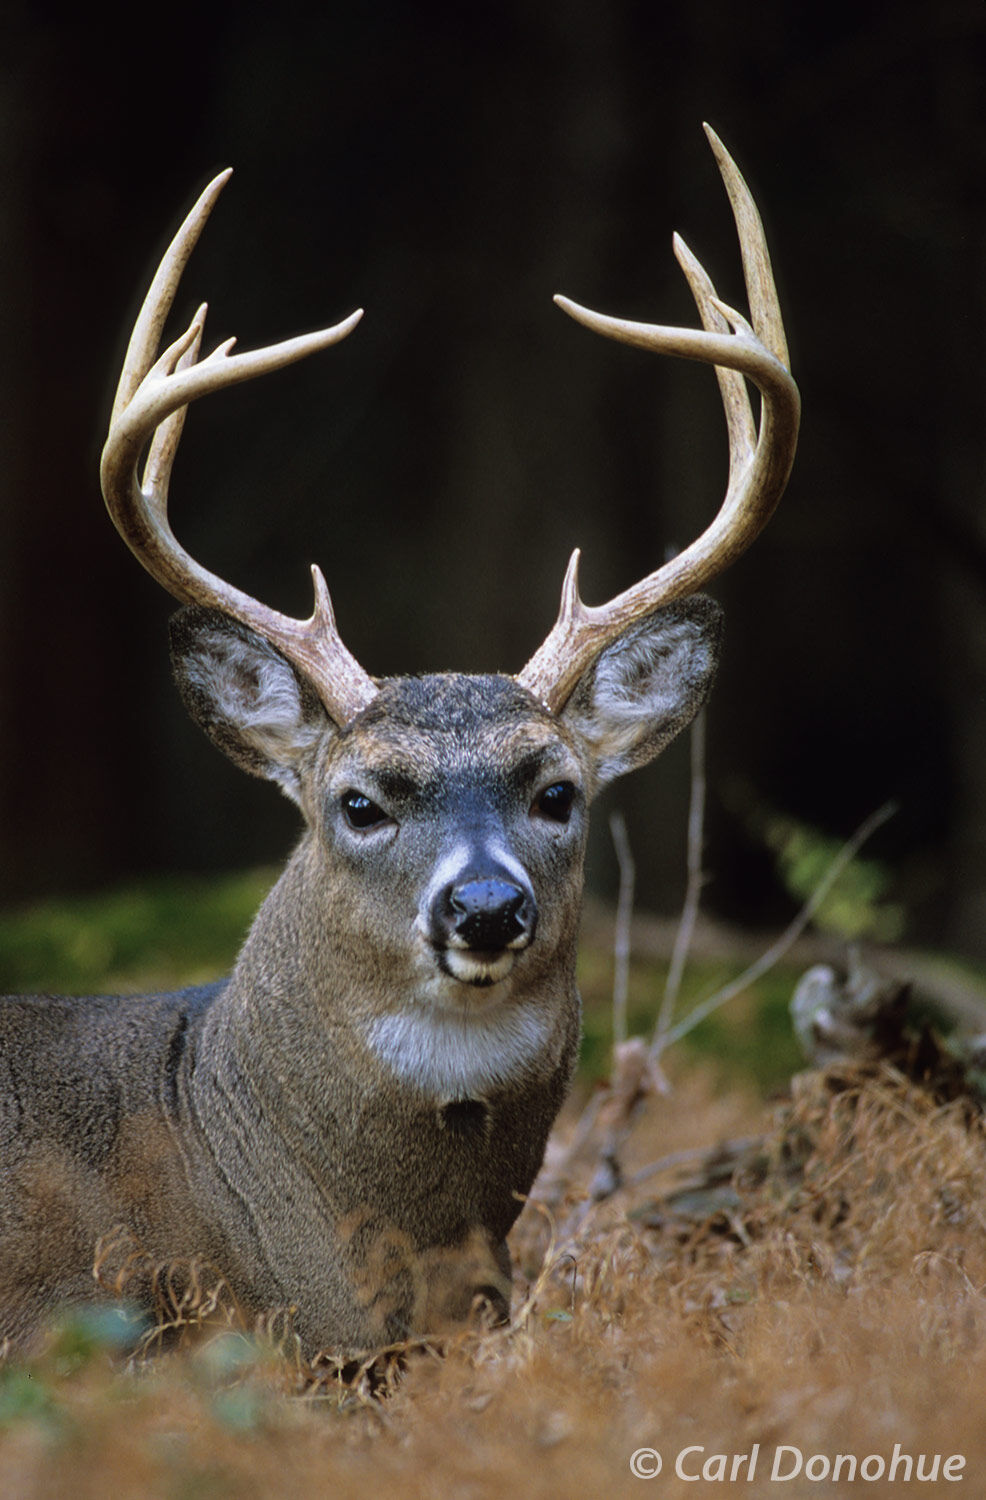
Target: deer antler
(759, 464)
(151, 402)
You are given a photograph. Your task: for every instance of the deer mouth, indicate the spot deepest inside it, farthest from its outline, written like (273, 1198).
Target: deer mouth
(476, 966)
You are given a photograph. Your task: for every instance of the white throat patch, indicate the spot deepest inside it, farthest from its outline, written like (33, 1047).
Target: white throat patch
(458, 1056)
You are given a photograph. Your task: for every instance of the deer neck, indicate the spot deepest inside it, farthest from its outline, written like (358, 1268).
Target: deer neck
(305, 1004)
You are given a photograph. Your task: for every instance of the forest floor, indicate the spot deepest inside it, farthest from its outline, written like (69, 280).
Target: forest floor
(782, 1291)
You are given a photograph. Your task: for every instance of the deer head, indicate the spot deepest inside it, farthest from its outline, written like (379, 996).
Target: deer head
(616, 675)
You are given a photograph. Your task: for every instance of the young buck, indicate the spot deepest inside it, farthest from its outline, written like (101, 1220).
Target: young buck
(346, 1124)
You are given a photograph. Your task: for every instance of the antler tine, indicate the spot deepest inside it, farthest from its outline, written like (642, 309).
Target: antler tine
(150, 406)
(757, 270)
(146, 337)
(759, 463)
(167, 435)
(740, 425)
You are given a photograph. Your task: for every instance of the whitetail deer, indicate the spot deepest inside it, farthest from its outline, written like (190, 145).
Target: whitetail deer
(347, 1123)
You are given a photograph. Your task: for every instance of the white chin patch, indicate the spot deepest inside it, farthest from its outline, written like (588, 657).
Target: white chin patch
(478, 968)
(463, 1055)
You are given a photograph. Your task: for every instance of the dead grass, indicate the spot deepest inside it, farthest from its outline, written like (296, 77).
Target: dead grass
(821, 1288)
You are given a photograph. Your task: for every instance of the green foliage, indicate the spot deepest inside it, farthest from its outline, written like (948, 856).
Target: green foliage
(154, 934)
(752, 1038)
(855, 907)
(25, 1396)
(228, 1369)
(749, 1040)
(87, 1333)
(83, 1339)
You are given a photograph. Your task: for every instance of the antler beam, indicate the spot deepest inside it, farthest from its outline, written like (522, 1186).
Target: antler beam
(150, 406)
(759, 463)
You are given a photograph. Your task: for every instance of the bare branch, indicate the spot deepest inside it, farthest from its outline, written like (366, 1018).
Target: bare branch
(624, 915)
(789, 936)
(695, 881)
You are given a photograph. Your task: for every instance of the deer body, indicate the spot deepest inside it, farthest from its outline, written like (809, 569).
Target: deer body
(342, 1125)
(346, 1125)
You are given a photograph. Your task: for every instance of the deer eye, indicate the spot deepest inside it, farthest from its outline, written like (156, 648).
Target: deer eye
(555, 802)
(360, 812)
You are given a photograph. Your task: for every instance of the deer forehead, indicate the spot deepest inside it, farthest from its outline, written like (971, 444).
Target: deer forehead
(422, 732)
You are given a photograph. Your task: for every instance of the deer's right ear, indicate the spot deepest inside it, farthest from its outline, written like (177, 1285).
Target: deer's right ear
(646, 685)
(246, 696)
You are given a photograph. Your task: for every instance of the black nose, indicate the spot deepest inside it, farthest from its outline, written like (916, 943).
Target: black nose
(487, 913)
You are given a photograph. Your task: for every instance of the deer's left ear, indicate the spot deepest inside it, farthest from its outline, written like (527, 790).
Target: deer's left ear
(646, 686)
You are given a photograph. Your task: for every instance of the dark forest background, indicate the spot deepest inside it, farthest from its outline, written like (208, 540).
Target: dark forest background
(450, 167)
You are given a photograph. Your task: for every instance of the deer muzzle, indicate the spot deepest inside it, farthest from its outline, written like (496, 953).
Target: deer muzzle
(480, 922)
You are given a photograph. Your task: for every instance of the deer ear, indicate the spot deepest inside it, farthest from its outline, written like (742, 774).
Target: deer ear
(646, 686)
(246, 696)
